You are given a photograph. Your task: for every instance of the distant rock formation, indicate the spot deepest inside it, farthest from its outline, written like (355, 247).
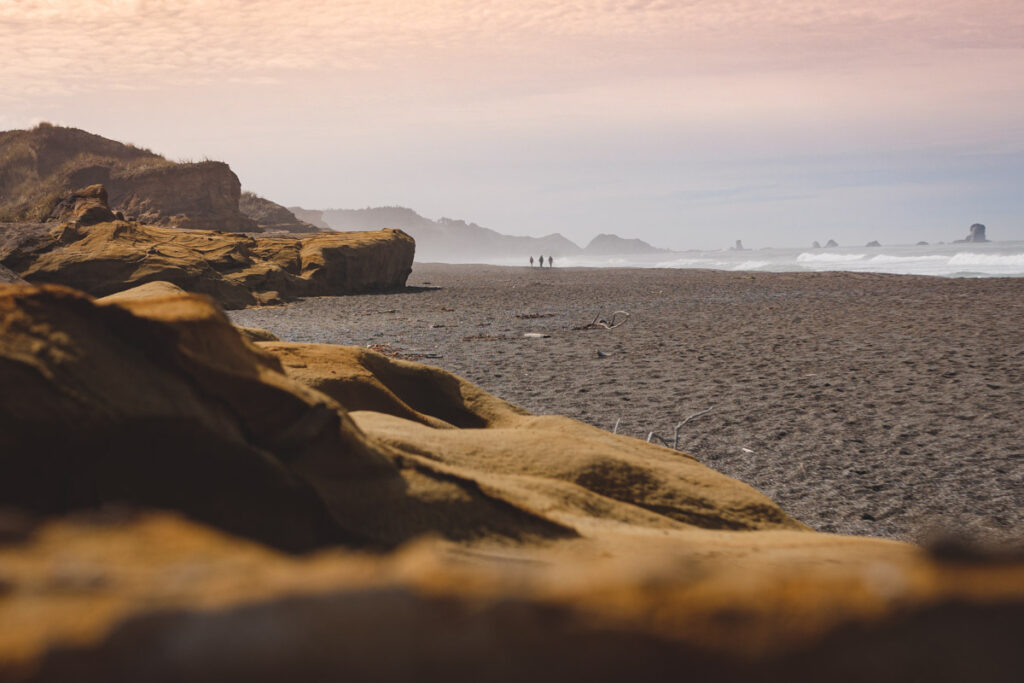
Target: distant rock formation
(977, 234)
(873, 243)
(816, 245)
(738, 247)
(272, 217)
(102, 258)
(39, 167)
(607, 245)
(922, 243)
(310, 216)
(447, 239)
(831, 243)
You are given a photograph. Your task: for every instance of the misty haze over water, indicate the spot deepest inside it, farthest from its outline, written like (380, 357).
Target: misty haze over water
(991, 259)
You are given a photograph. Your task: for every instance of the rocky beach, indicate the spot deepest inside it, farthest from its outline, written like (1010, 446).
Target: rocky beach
(379, 469)
(863, 404)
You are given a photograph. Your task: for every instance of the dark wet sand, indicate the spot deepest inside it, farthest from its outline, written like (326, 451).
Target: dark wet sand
(881, 405)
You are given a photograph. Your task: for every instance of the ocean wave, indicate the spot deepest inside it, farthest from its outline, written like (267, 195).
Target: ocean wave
(966, 258)
(689, 263)
(829, 258)
(891, 259)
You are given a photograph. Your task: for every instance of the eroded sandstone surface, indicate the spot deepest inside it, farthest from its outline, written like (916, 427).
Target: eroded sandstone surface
(101, 256)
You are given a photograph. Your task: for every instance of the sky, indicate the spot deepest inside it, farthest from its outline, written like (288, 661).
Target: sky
(686, 123)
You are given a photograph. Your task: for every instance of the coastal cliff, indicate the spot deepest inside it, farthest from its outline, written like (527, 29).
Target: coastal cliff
(39, 167)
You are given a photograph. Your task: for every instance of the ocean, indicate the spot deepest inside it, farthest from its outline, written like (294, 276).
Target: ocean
(989, 259)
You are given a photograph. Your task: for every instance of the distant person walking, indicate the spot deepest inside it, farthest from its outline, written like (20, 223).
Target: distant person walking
(542, 260)
(531, 262)
(551, 261)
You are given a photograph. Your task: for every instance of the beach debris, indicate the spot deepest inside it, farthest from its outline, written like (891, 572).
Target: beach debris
(384, 349)
(675, 435)
(533, 316)
(485, 337)
(615, 429)
(602, 354)
(694, 416)
(599, 323)
(401, 354)
(536, 335)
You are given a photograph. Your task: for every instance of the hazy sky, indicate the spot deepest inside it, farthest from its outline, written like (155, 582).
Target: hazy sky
(688, 123)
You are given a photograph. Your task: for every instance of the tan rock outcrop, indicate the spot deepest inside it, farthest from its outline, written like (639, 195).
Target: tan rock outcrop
(7, 276)
(561, 552)
(85, 206)
(164, 375)
(198, 196)
(236, 270)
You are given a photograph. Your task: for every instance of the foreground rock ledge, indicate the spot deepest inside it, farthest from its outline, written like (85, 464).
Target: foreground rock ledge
(559, 551)
(235, 269)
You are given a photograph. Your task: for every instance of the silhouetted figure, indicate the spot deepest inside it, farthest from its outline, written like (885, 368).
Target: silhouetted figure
(531, 262)
(551, 261)
(542, 260)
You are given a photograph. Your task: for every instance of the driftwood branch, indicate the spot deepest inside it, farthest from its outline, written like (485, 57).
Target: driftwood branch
(615, 429)
(675, 438)
(675, 435)
(599, 323)
(652, 435)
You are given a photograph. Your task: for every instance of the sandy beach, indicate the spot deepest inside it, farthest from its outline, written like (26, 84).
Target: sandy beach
(863, 404)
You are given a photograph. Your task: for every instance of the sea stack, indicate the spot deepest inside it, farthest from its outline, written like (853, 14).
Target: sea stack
(977, 233)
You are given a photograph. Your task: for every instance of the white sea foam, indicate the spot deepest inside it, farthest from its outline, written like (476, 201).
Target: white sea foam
(890, 258)
(828, 258)
(972, 259)
(945, 260)
(751, 265)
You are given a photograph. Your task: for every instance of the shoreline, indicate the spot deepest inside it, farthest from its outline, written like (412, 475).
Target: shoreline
(863, 403)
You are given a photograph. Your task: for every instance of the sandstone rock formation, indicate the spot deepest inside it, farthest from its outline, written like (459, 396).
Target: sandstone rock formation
(6, 276)
(236, 270)
(39, 167)
(85, 206)
(171, 376)
(271, 217)
(560, 551)
(831, 243)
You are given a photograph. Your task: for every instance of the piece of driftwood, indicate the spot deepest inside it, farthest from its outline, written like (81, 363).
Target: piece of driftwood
(675, 435)
(599, 323)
